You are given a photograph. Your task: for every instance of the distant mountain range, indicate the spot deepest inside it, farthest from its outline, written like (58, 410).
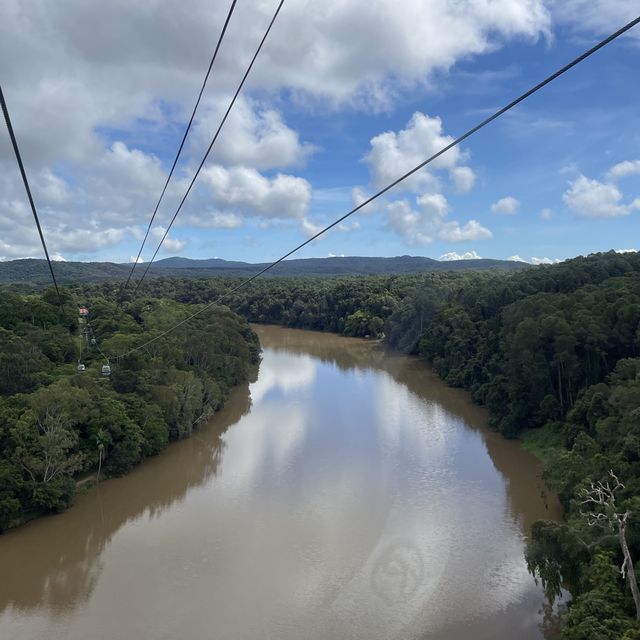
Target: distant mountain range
(35, 271)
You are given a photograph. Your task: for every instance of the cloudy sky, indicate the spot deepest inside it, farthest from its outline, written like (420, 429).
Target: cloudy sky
(346, 96)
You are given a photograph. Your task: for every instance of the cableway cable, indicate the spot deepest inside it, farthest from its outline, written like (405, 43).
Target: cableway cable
(16, 150)
(184, 137)
(215, 137)
(376, 195)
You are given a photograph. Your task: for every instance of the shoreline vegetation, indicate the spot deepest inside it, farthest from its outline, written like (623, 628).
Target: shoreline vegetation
(61, 428)
(552, 352)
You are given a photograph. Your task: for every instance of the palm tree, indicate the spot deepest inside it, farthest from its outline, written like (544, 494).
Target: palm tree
(102, 440)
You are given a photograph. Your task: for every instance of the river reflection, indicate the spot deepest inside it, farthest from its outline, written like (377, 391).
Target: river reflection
(346, 493)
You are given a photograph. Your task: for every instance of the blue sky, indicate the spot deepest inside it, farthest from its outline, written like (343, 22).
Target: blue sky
(344, 98)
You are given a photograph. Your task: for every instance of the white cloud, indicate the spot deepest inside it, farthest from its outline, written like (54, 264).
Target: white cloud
(626, 250)
(133, 259)
(472, 230)
(411, 44)
(214, 220)
(173, 244)
(624, 169)
(594, 199)
(52, 190)
(346, 226)
(463, 178)
(247, 192)
(253, 136)
(545, 260)
(310, 228)
(507, 206)
(393, 154)
(546, 214)
(415, 227)
(434, 205)
(169, 243)
(452, 255)
(420, 227)
(596, 16)
(516, 258)
(359, 196)
(22, 240)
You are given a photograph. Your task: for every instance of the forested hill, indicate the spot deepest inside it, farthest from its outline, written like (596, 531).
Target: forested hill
(36, 272)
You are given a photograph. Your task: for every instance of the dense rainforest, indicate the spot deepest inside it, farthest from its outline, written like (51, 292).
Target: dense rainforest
(552, 352)
(59, 424)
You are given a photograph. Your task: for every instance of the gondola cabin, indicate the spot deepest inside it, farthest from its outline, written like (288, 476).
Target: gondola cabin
(106, 370)
(82, 367)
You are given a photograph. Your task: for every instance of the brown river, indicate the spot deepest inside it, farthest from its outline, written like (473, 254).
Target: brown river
(347, 493)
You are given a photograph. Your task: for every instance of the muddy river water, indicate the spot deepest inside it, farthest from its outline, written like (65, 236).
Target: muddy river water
(346, 493)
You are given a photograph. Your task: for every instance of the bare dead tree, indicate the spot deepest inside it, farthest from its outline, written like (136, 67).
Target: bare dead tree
(601, 496)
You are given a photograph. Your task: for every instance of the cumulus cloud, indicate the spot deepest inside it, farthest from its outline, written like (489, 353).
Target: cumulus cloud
(624, 169)
(411, 44)
(21, 241)
(534, 260)
(393, 154)
(310, 228)
(545, 260)
(594, 199)
(452, 255)
(463, 178)
(419, 227)
(506, 206)
(214, 220)
(248, 192)
(472, 230)
(169, 243)
(410, 224)
(108, 196)
(254, 136)
(626, 250)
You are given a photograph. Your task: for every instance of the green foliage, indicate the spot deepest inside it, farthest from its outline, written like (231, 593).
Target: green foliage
(599, 612)
(56, 423)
